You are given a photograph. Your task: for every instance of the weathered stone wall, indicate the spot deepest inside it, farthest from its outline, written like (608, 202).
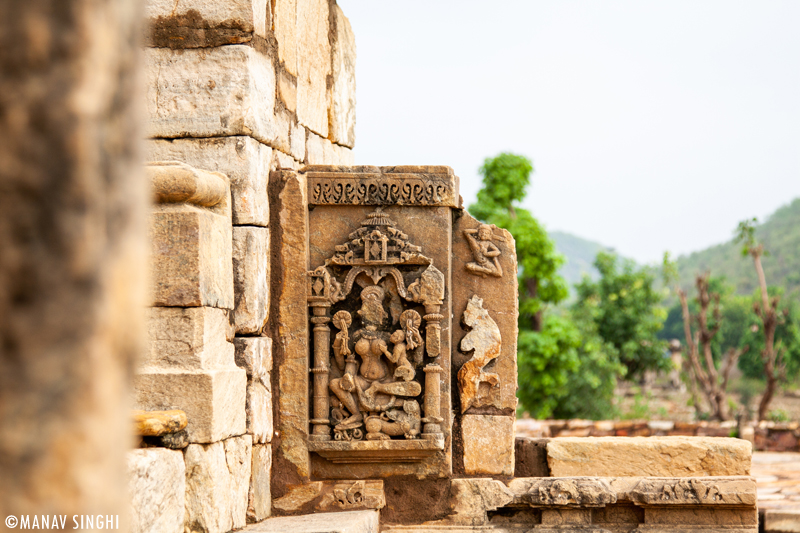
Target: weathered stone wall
(236, 89)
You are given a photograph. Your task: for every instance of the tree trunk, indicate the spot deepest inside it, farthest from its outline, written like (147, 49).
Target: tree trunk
(72, 252)
(768, 313)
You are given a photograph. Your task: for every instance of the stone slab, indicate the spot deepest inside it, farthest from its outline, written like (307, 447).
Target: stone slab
(244, 160)
(369, 185)
(250, 279)
(340, 522)
(228, 90)
(499, 294)
(217, 484)
(190, 262)
(156, 488)
(342, 106)
(289, 245)
(777, 521)
(188, 338)
(205, 23)
(313, 64)
(648, 456)
(214, 400)
(488, 444)
(259, 503)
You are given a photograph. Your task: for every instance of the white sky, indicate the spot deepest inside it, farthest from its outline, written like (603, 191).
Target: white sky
(652, 126)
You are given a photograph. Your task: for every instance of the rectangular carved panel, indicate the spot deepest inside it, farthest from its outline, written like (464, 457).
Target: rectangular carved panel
(369, 185)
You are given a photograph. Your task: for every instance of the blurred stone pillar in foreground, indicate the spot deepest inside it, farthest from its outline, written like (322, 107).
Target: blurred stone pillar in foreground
(72, 252)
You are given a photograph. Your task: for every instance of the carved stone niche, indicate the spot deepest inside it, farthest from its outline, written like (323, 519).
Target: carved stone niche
(377, 289)
(364, 373)
(376, 273)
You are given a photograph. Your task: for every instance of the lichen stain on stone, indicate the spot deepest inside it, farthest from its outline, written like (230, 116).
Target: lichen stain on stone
(191, 30)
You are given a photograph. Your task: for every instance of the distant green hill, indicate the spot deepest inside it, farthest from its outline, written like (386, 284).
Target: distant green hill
(580, 254)
(780, 234)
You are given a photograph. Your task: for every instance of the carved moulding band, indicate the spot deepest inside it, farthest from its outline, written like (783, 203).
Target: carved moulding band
(400, 189)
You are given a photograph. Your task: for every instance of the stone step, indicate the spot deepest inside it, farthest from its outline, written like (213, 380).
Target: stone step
(343, 522)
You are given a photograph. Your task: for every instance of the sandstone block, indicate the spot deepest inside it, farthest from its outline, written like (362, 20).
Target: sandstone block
(285, 30)
(342, 107)
(315, 150)
(778, 521)
(244, 160)
(157, 423)
(343, 522)
(185, 338)
(191, 262)
(470, 499)
(297, 496)
(287, 90)
(259, 504)
(214, 400)
(283, 161)
(250, 278)
(205, 23)
(313, 64)
(254, 354)
(648, 456)
(488, 444)
(290, 328)
(217, 484)
(259, 411)
(156, 488)
(228, 90)
(297, 142)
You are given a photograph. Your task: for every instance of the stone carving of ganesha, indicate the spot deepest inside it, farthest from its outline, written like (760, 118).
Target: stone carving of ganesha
(376, 386)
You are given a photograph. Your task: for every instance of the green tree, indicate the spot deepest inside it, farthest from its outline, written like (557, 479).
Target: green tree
(505, 179)
(547, 345)
(626, 312)
(589, 389)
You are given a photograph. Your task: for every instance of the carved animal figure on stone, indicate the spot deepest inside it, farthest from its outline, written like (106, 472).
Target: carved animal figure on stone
(484, 251)
(484, 339)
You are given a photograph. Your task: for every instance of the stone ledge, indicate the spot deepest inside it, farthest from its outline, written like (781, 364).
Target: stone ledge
(779, 521)
(343, 522)
(648, 456)
(376, 451)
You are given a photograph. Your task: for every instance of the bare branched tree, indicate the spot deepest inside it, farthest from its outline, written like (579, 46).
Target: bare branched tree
(767, 311)
(712, 381)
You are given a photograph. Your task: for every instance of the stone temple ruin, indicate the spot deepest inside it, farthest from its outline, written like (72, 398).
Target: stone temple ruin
(333, 347)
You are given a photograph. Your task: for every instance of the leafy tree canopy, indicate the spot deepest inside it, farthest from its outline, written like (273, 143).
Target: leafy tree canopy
(625, 309)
